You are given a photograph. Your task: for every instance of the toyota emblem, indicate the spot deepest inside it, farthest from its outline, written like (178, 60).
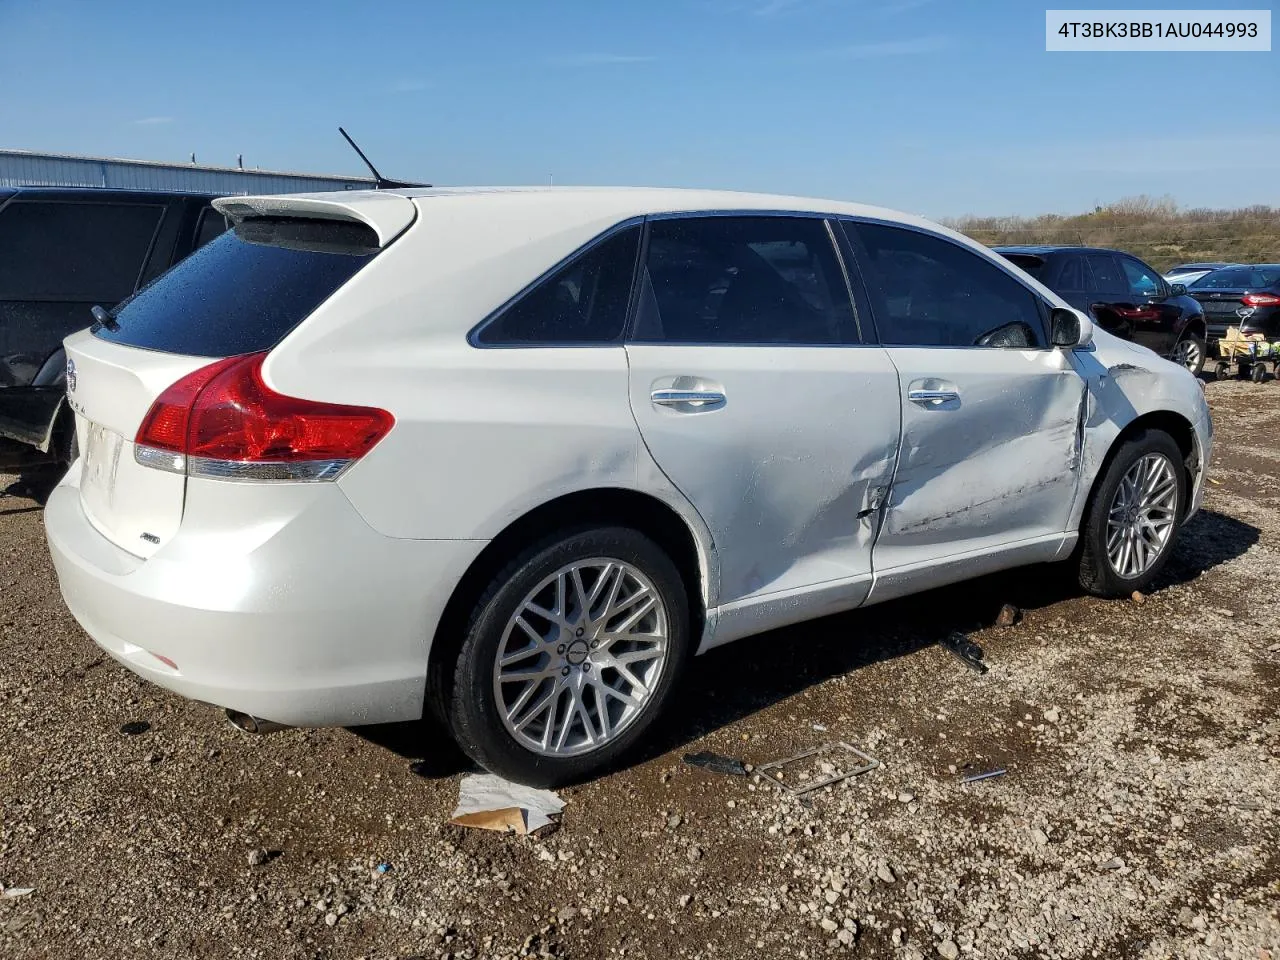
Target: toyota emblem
(71, 375)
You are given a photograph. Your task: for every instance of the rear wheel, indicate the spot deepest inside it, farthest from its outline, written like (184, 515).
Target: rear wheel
(570, 654)
(1131, 522)
(1190, 352)
(1259, 372)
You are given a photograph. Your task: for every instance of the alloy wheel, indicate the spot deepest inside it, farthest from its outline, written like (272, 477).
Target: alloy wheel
(1142, 515)
(1188, 353)
(581, 658)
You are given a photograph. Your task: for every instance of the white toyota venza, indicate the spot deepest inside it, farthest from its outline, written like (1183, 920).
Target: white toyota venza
(514, 455)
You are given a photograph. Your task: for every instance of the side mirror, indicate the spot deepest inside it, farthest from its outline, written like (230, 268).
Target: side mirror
(1177, 289)
(1070, 328)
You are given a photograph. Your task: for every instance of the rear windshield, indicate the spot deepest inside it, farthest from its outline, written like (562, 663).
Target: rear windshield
(1242, 278)
(244, 291)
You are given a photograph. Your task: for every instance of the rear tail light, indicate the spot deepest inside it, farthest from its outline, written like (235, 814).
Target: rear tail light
(1260, 300)
(223, 421)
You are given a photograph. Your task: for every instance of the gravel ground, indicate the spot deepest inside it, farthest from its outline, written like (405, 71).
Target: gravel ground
(1139, 817)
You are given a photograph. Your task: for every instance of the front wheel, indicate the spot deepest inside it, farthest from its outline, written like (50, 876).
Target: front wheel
(1190, 353)
(570, 654)
(1131, 522)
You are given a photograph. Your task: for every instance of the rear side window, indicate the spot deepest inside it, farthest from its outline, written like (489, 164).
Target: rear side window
(1107, 277)
(245, 290)
(582, 303)
(743, 280)
(1028, 263)
(1072, 276)
(81, 252)
(1240, 278)
(212, 225)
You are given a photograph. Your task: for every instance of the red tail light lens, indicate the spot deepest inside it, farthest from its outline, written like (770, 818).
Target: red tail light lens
(228, 423)
(1260, 300)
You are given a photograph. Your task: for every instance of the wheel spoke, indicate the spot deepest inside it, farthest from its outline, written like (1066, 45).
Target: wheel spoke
(580, 657)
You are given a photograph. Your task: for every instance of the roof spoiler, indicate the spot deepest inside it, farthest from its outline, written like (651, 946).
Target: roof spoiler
(388, 214)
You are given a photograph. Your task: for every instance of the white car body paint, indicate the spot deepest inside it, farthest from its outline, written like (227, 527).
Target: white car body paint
(316, 603)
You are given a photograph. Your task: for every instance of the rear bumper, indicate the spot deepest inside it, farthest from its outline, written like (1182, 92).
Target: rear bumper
(303, 614)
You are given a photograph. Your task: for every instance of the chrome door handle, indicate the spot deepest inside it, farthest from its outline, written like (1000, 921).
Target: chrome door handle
(932, 396)
(701, 398)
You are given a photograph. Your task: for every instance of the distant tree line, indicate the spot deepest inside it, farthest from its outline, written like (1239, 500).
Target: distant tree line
(1153, 229)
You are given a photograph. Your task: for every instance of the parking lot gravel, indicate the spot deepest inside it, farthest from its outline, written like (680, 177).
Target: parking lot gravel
(1138, 815)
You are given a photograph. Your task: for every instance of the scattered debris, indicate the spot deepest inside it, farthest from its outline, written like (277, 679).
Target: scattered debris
(1039, 836)
(1008, 616)
(885, 873)
(12, 893)
(1115, 863)
(488, 802)
(820, 728)
(906, 796)
(1215, 481)
(384, 868)
(975, 777)
(776, 771)
(1053, 715)
(717, 763)
(1138, 597)
(964, 650)
(258, 857)
(948, 950)
(134, 727)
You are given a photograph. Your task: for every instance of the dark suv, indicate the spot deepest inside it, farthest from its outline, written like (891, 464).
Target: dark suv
(1126, 296)
(64, 251)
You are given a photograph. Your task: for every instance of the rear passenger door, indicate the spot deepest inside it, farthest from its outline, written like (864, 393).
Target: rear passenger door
(1110, 301)
(758, 399)
(1071, 283)
(989, 411)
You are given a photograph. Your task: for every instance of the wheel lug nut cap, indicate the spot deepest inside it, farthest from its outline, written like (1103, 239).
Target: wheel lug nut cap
(564, 672)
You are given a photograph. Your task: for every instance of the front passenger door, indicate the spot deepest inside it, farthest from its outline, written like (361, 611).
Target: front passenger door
(989, 410)
(1155, 318)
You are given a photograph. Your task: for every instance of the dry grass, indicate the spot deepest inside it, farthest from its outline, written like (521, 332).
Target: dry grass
(1153, 229)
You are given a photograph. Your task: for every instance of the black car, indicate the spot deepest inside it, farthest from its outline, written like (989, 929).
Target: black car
(1126, 297)
(1244, 297)
(62, 252)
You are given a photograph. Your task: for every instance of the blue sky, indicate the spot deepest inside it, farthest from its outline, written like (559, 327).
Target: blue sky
(937, 106)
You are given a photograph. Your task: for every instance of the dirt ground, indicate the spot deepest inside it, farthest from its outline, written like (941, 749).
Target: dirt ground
(1139, 815)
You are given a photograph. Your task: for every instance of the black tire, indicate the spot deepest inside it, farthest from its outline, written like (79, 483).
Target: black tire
(471, 706)
(1097, 575)
(1223, 370)
(1258, 373)
(1198, 365)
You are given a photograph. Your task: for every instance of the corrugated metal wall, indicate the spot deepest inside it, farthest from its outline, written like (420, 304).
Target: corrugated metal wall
(19, 168)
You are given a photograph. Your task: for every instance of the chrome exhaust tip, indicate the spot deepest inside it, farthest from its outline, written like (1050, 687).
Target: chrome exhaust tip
(251, 724)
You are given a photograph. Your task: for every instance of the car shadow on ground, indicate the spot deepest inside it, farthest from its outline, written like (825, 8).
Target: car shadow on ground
(744, 677)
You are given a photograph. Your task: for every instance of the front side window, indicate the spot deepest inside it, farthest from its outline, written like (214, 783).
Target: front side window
(1144, 283)
(78, 252)
(743, 280)
(931, 292)
(582, 303)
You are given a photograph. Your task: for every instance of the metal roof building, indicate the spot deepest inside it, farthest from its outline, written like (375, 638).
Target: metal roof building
(24, 168)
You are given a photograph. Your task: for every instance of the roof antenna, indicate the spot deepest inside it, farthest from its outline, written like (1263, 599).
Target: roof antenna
(379, 181)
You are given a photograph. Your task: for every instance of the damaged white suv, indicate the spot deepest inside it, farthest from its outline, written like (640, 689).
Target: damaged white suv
(514, 456)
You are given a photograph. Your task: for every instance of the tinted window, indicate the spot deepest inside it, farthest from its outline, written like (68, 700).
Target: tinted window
(1236, 278)
(934, 293)
(1143, 281)
(1106, 274)
(1027, 262)
(90, 252)
(583, 302)
(244, 291)
(744, 280)
(1072, 275)
(212, 224)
